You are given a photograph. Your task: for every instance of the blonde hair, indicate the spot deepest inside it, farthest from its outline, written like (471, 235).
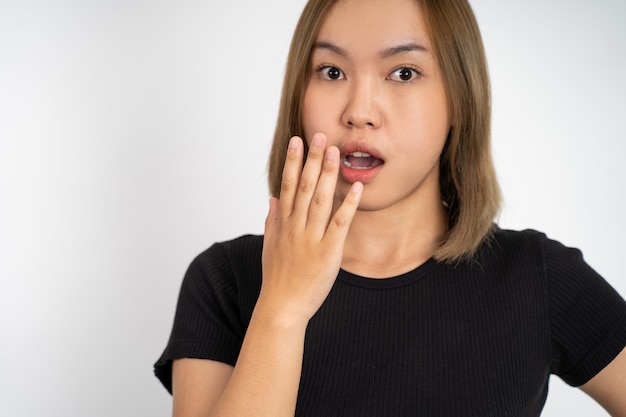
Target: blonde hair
(467, 176)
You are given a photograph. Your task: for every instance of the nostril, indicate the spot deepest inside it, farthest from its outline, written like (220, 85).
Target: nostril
(355, 119)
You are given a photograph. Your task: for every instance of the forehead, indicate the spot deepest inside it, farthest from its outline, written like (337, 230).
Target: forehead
(374, 24)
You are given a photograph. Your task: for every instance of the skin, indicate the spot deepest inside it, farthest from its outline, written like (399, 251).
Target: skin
(608, 387)
(360, 93)
(387, 94)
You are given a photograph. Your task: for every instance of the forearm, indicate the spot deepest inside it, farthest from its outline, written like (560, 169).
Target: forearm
(267, 375)
(302, 253)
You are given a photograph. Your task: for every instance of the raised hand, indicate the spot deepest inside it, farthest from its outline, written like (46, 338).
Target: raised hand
(304, 239)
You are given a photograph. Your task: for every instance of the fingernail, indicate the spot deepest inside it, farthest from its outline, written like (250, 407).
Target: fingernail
(331, 155)
(316, 141)
(293, 143)
(357, 187)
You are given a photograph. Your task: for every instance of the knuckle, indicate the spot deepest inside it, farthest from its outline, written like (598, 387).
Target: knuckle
(305, 186)
(319, 199)
(286, 185)
(340, 221)
(292, 156)
(329, 166)
(315, 153)
(285, 234)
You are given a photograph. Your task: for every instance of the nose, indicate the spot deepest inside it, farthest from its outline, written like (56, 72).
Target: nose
(362, 108)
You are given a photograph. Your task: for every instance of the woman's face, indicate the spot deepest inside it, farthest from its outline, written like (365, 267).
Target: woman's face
(377, 93)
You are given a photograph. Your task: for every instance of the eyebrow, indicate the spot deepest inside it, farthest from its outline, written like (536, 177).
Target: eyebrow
(331, 47)
(402, 48)
(386, 53)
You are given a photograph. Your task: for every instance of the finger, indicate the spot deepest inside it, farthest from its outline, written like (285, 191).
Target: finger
(322, 201)
(272, 216)
(342, 219)
(291, 176)
(310, 175)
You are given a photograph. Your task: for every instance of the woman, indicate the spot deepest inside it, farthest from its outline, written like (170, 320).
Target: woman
(381, 285)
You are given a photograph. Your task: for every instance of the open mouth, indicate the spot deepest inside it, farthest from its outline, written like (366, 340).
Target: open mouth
(361, 160)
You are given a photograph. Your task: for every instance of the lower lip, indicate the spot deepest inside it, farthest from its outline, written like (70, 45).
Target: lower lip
(361, 175)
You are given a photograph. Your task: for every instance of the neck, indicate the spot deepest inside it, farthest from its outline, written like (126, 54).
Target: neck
(388, 242)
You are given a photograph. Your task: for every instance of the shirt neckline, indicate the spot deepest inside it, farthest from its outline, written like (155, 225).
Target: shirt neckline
(387, 283)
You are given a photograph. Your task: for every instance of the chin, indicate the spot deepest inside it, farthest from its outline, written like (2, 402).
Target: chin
(374, 204)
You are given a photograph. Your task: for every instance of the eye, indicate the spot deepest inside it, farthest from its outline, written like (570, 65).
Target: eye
(404, 74)
(328, 72)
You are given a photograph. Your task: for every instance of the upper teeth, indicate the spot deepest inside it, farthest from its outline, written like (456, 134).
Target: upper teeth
(355, 155)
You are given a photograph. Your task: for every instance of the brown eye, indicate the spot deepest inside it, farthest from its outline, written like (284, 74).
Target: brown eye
(331, 73)
(404, 74)
(334, 73)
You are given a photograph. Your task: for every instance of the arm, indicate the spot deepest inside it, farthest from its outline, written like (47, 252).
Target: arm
(608, 387)
(302, 251)
(266, 376)
(197, 385)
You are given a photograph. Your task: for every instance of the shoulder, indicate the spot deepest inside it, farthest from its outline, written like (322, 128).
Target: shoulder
(229, 273)
(504, 245)
(564, 267)
(516, 238)
(241, 249)
(528, 242)
(531, 252)
(228, 263)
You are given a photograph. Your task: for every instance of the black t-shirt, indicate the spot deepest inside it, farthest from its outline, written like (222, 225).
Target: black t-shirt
(480, 338)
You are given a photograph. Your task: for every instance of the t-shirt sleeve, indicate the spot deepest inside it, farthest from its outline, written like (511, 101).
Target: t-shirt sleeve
(588, 316)
(207, 323)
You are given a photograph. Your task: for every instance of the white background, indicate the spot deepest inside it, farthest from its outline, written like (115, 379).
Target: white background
(134, 133)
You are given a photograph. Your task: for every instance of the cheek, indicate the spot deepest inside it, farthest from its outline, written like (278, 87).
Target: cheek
(307, 113)
(427, 119)
(316, 113)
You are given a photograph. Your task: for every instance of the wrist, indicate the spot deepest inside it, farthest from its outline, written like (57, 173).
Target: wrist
(279, 318)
